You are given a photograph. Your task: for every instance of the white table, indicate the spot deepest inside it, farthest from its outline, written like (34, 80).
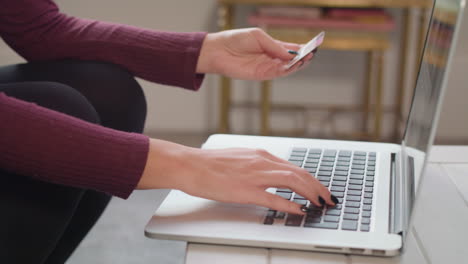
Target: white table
(439, 233)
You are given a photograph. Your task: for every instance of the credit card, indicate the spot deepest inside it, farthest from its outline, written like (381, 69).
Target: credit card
(307, 48)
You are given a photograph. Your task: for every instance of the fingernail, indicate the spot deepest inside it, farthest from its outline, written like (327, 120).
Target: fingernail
(321, 201)
(334, 199)
(304, 209)
(292, 52)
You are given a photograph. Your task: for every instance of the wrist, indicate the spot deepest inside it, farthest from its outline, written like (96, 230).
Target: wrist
(205, 63)
(164, 167)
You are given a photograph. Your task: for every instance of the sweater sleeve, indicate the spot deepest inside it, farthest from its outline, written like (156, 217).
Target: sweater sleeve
(54, 147)
(37, 30)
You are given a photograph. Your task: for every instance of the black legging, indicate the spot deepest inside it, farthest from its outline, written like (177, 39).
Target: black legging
(42, 222)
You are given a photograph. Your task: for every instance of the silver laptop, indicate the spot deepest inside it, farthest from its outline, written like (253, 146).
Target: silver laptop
(376, 183)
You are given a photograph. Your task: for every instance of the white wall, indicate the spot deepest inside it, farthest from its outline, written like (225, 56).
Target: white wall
(334, 77)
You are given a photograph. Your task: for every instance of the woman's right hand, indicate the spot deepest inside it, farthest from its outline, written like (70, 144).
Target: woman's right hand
(229, 175)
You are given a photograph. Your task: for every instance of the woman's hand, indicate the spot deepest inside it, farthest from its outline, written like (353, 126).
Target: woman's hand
(229, 175)
(247, 54)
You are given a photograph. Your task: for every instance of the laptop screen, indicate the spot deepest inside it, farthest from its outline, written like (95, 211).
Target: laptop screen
(428, 94)
(431, 74)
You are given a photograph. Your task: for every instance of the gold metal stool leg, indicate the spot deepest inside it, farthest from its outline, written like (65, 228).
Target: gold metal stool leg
(366, 104)
(378, 96)
(265, 108)
(225, 105)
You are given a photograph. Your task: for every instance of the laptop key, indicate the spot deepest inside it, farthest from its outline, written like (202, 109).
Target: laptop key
(268, 221)
(344, 159)
(315, 150)
(338, 183)
(286, 196)
(331, 218)
(368, 195)
(328, 159)
(324, 173)
(280, 215)
(337, 189)
(313, 156)
(369, 178)
(298, 196)
(369, 189)
(354, 192)
(334, 212)
(371, 159)
(325, 168)
(353, 204)
(360, 172)
(369, 184)
(370, 168)
(367, 207)
(365, 221)
(360, 153)
(359, 158)
(349, 225)
(356, 177)
(312, 220)
(326, 225)
(365, 228)
(358, 167)
(342, 163)
(355, 187)
(283, 190)
(371, 163)
(367, 201)
(327, 164)
(324, 178)
(293, 220)
(338, 194)
(370, 173)
(351, 210)
(340, 178)
(329, 153)
(341, 173)
(350, 216)
(311, 170)
(359, 162)
(310, 165)
(353, 198)
(345, 153)
(357, 182)
(366, 214)
(341, 168)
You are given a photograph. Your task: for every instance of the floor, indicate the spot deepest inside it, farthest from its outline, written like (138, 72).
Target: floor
(118, 236)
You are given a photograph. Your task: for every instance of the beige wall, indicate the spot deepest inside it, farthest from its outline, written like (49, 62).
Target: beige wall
(333, 77)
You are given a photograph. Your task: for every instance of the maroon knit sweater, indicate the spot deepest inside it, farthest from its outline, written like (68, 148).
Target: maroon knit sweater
(54, 147)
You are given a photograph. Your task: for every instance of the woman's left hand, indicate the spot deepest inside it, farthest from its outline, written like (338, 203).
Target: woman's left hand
(247, 54)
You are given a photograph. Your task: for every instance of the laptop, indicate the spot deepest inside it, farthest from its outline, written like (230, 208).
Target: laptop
(376, 183)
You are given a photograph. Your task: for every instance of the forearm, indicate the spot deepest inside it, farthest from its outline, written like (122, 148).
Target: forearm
(37, 30)
(53, 147)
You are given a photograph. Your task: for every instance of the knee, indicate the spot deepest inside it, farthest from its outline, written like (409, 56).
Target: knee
(55, 96)
(117, 96)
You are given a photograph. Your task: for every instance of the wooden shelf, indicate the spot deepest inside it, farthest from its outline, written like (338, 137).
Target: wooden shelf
(338, 3)
(335, 40)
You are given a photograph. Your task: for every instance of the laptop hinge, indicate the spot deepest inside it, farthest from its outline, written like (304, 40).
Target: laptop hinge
(396, 196)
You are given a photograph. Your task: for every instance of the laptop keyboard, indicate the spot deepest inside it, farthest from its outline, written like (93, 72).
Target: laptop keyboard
(349, 175)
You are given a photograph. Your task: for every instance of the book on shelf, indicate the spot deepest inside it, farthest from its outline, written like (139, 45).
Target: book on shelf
(289, 11)
(323, 23)
(332, 18)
